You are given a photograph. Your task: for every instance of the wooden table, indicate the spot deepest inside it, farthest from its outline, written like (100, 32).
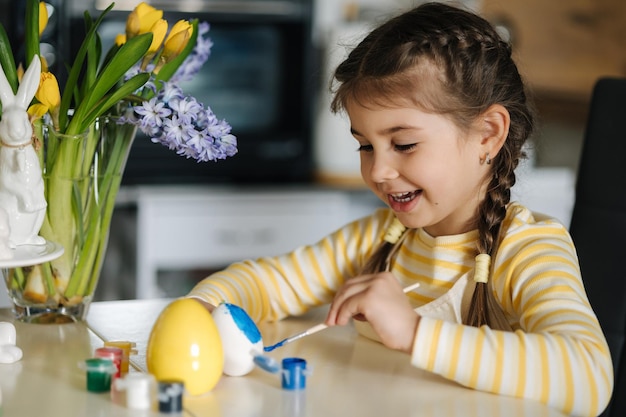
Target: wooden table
(351, 375)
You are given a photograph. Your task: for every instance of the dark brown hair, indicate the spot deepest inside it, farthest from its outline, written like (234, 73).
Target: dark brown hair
(449, 61)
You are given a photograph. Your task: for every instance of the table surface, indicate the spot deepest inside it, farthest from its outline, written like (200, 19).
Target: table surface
(351, 375)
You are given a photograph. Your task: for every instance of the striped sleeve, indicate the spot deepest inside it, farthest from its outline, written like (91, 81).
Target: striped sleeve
(557, 353)
(272, 288)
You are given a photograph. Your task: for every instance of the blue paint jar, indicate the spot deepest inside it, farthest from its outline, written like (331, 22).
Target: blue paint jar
(294, 373)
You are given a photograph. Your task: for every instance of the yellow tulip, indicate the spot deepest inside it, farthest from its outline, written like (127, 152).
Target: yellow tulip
(147, 21)
(180, 26)
(120, 39)
(43, 17)
(44, 63)
(49, 98)
(132, 25)
(158, 29)
(20, 72)
(48, 93)
(142, 19)
(177, 40)
(37, 111)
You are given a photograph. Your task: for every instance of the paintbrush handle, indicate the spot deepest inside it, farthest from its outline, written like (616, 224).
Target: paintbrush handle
(308, 332)
(411, 287)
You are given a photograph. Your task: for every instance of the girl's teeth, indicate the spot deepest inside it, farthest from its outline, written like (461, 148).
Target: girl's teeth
(403, 197)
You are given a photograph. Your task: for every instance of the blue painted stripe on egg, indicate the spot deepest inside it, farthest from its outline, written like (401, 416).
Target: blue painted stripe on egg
(244, 322)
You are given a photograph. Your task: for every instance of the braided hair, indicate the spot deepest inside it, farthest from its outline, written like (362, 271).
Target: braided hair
(449, 61)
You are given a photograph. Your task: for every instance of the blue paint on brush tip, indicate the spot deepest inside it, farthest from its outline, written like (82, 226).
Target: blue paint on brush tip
(244, 322)
(277, 345)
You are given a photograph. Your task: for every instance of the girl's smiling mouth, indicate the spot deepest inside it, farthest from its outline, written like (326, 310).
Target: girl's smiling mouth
(403, 202)
(404, 197)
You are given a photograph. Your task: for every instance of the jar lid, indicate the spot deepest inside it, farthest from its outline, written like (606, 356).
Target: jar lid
(99, 365)
(171, 395)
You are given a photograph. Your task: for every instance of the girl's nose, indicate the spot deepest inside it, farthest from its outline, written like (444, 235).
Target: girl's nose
(381, 169)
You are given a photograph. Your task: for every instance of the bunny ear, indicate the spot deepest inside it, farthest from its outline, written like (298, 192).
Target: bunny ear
(29, 84)
(6, 92)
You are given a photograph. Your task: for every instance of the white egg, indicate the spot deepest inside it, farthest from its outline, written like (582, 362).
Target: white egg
(241, 338)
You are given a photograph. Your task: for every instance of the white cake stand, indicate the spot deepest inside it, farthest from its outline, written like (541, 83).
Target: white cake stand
(27, 255)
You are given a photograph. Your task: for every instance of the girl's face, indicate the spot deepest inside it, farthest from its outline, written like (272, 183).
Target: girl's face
(421, 165)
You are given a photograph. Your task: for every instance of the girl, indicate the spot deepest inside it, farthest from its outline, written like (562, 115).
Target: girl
(440, 114)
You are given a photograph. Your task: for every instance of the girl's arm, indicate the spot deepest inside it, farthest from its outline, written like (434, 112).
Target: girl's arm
(557, 353)
(272, 288)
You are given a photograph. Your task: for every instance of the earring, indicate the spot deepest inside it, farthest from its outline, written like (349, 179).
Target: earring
(486, 159)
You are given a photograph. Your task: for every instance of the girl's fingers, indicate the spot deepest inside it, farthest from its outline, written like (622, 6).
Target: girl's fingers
(349, 289)
(351, 300)
(380, 300)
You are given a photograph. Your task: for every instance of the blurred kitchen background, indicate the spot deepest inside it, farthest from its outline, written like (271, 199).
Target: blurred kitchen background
(296, 176)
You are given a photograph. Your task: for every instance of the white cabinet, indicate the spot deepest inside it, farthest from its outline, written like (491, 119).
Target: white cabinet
(187, 228)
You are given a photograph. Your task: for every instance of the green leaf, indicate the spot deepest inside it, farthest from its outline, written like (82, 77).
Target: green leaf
(48, 277)
(98, 50)
(129, 54)
(110, 54)
(170, 68)
(93, 59)
(71, 85)
(120, 93)
(31, 29)
(7, 60)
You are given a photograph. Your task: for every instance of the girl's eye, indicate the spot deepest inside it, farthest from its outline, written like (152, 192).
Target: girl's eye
(406, 148)
(399, 148)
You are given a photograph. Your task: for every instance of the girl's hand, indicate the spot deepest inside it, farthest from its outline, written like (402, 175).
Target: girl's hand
(379, 299)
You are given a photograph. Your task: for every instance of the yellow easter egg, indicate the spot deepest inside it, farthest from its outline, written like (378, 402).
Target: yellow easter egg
(185, 344)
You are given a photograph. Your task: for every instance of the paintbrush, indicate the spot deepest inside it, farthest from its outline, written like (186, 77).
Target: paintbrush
(321, 326)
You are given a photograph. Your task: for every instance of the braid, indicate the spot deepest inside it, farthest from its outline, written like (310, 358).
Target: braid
(492, 212)
(381, 258)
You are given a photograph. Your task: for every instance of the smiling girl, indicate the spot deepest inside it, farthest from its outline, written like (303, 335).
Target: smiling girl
(440, 114)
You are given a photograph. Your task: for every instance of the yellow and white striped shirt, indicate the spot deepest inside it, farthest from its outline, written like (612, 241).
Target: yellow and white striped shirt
(556, 353)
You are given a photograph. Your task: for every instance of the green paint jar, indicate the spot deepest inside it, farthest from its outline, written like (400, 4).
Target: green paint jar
(99, 372)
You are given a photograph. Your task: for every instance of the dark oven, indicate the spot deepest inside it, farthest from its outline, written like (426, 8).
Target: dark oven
(260, 77)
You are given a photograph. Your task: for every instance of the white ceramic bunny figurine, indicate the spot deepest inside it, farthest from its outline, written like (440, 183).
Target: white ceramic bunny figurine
(5, 234)
(9, 352)
(21, 184)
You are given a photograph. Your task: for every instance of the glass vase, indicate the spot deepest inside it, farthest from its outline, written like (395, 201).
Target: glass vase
(82, 175)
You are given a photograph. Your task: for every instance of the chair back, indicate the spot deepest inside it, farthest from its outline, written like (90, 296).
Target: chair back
(598, 224)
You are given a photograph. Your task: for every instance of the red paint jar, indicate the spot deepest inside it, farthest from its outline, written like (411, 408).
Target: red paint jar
(115, 354)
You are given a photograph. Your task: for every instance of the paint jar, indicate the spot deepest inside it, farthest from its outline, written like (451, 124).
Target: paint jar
(140, 389)
(171, 396)
(128, 349)
(113, 353)
(294, 373)
(99, 373)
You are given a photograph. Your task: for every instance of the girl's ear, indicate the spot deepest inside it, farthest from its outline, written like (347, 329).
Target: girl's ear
(494, 128)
